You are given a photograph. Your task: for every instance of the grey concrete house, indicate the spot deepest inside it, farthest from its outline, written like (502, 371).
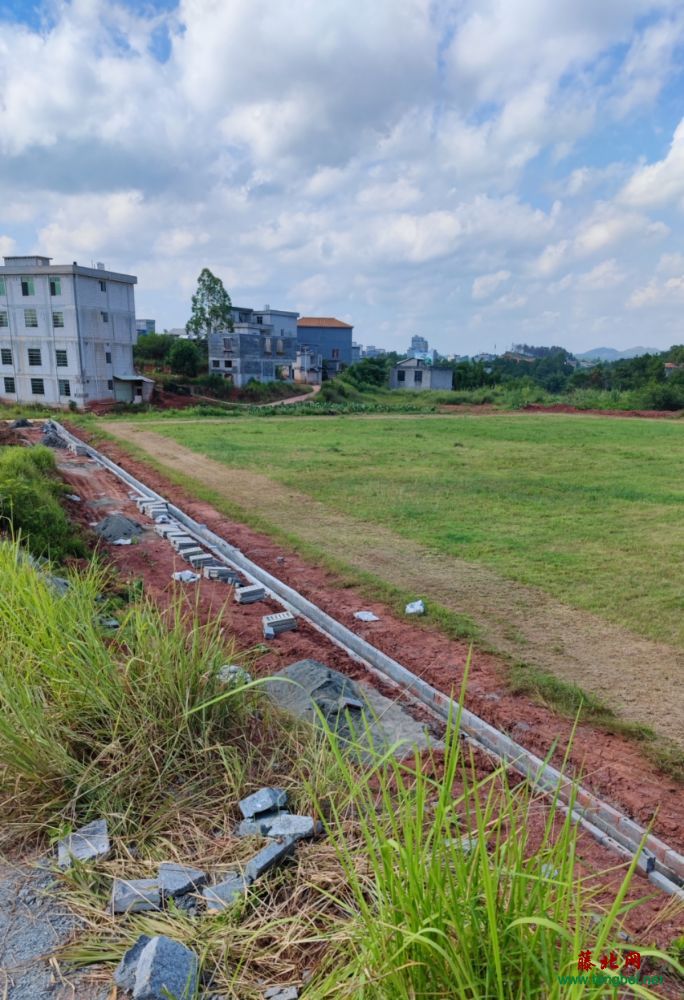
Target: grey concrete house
(67, 334)
(262, 345)
(416, 374)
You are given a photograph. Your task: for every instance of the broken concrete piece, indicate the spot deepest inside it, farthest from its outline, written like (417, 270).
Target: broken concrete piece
(268, 857)
(166, 968)
(175, 880)
(260, 825)
(317, 689)
(87, 844)
(415, 608)
(135, 895)
(265, 800)
(124, 974)
(185, 576)
(291, 826)
(282, 993)
(366, 616)
(220, 896)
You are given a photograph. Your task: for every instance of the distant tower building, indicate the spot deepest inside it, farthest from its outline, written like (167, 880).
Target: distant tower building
(419, 345)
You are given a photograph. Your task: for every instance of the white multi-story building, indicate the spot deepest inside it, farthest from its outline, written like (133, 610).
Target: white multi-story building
(67, 334)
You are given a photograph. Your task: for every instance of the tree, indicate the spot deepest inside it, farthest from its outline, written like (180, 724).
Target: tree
(184, 358)
(211, 307)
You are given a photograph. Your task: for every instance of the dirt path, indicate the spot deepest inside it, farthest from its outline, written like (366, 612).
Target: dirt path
(639, 678)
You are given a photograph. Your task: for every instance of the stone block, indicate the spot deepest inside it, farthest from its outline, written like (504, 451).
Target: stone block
(224, 894)
(124, 974)
(292, 827)
(265, 800)
(166, 968)
(268, 857)
(87, 844)
(135, 895)
(175, 880)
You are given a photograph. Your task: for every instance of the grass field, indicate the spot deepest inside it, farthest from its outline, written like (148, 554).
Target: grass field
(589, 509)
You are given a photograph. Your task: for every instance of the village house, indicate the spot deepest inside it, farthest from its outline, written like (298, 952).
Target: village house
(416, 374)
(262, 345)
(67, 334)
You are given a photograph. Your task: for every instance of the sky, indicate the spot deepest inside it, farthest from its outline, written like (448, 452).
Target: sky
(479, 172)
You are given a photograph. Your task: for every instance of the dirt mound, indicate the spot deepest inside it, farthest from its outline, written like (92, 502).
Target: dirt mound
(116, 526)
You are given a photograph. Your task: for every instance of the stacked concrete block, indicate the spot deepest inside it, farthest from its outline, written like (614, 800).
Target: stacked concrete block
(223, 573)
(199, 559)
(164, 530)
(273, 625)
(250, 594)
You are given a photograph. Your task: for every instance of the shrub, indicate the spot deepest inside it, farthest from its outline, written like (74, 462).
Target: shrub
(29, 503)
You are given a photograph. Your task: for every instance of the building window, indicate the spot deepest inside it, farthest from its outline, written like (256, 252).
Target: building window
(401, 376)
(227, 364)
(30, 317)
(3, 319)
(34, 357)
(267, 345)
(38, 386)
(227, 344)
(110, 385)
(418, 377)
(10, 385)
(64, 387)
(216, 364)
(6, 356)
(279, 347)
(103, 286)
(105, 317)
(3, 290)
(336, 354)
(108, 357)
(27, 286)
(58, 319)
(62, 361)
(55, 286)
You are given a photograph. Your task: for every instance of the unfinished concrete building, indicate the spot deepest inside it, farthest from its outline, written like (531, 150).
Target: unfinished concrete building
(262, 345)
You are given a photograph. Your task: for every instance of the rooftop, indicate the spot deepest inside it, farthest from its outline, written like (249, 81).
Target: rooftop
(324, 321)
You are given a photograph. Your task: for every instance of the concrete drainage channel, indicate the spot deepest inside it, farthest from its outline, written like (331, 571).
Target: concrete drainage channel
(660, 863)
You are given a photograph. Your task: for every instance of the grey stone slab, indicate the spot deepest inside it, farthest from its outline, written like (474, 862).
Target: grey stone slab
(175, 880)
(318, 690)
(135, 895)
(124, 974)
(265, 800)
(282, 993)
(292, 827)
(88, 843)
(259, 826)
(268, 857)
(224, 894)
(166, 968)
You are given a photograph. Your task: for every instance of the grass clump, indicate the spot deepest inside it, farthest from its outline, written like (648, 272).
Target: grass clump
(95, 725)
(29, 503)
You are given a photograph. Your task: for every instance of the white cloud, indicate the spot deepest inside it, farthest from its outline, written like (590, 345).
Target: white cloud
(486, 284)
(658, 293)
(660, 183)
(389, 162)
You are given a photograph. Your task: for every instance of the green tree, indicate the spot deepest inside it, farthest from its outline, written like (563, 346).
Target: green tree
(184, 358)
(211, 307)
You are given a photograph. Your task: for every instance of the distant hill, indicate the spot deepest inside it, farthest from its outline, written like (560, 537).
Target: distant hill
(610, 354)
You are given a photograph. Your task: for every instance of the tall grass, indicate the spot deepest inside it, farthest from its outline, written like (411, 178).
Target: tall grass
(467, 888)
(29, 503)
(91, 724)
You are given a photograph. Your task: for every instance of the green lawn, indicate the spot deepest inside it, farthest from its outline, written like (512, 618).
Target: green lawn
(588, 508)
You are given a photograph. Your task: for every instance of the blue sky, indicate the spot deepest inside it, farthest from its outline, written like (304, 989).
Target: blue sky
(480, 172)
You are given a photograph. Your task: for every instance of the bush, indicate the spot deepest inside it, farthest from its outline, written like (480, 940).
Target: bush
(184, 358)
(29, 503)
